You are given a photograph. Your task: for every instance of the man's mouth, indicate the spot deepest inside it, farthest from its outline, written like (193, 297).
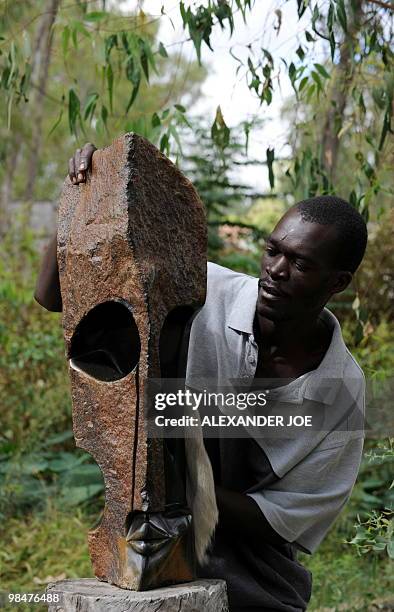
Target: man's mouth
(270, 291)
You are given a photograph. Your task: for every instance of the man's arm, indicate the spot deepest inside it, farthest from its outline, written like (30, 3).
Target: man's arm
(47, 292)
(241, 515)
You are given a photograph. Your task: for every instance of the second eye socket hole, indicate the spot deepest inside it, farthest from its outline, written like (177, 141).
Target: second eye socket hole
(174, 340)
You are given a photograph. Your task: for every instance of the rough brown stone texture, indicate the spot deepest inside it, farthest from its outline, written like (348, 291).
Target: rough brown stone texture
(88, 595)
(134, 232)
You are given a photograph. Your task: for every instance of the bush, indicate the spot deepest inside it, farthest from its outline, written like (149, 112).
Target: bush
(37, 451)
(33, 378)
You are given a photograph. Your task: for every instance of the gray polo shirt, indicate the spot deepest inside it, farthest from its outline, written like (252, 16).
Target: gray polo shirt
(316, 469)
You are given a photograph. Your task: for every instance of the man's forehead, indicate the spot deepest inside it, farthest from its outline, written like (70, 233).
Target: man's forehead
(304, 238)
(294, 230)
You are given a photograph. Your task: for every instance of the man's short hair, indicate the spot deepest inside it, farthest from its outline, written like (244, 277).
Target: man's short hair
(351, 228)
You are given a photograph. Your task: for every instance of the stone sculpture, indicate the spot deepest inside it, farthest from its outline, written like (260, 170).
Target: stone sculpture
(132, 267)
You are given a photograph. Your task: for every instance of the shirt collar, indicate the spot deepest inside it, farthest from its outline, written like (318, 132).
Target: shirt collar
(242, 314)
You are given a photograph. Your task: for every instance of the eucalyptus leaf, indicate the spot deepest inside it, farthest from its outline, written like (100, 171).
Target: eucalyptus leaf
(74, 111)
(65, 39)
(162, 50)
(341, 13)
(322, 71)
(300, 52)
(155, 120)
(110, 84)
(220, 133)
(270, 154)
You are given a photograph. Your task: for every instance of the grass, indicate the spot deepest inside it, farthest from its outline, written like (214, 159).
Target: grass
(52, 543)
(41, 547)
(44, 547)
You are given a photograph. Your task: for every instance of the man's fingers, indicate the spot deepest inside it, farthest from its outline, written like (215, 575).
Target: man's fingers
(77, 156)
(81, 175)
(71, 170)
(81, 163)
(85, 160)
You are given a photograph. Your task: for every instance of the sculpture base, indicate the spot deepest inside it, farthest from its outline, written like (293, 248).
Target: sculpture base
(91, 595)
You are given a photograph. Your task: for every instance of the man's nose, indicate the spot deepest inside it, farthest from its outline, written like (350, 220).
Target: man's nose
(278, 268)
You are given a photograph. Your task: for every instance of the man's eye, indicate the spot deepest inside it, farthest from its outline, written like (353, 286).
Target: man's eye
(271, 251)
(300, 266)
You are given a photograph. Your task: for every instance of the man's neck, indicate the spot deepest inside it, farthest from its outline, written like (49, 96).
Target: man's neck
(290, 335)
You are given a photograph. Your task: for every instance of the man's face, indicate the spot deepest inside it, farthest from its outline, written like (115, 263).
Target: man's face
(297, 273)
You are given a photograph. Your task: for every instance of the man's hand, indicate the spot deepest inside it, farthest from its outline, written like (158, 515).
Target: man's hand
(80, 163)
(240, 515)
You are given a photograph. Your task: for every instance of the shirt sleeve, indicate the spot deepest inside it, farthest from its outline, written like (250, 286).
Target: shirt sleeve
(304, 503)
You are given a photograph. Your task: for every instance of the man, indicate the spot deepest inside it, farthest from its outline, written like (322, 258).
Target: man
(275, 494)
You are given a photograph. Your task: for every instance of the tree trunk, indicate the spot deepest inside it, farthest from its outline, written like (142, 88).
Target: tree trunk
(42, 59)
(341, 80)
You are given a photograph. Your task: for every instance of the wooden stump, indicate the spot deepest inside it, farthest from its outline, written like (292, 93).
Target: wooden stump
(91, 595)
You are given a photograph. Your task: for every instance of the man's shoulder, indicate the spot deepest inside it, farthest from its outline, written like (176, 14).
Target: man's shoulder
(352, 367)
(221, 279)
(339, 378)
(340, 352)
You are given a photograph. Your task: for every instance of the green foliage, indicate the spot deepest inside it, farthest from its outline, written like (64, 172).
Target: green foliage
(345, 581)
(375, 500)
(36, 463)
(29, 481)
(241, 262)
(219, 131)
(126, 78)
(32, 368)
(270, 163)
(376, 276)
(355, 94)
(123, 55)
(373, 493)
(307, 176)
(376, 534)
(375, 352)
(227, 200)
(199, 22)
(40, 471)
(262, 84)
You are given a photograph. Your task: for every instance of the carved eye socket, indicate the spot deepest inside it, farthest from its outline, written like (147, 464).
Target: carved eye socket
(106, 343)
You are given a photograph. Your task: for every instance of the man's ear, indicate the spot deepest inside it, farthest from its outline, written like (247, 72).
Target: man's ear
(341, 280)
